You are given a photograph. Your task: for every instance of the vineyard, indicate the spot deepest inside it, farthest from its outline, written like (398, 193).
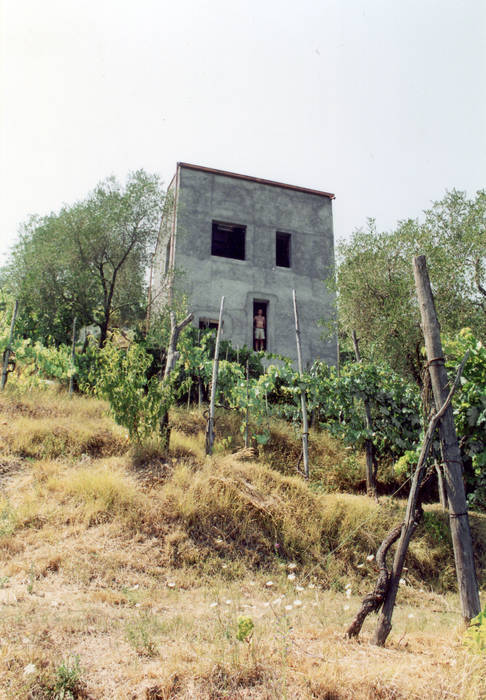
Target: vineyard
(180, 575)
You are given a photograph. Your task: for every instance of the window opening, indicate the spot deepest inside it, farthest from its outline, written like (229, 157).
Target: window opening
(282, 249)
(260, 325)
(228, 240)
(205, 323)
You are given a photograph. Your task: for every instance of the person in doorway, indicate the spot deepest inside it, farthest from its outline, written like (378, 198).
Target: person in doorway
(259, 323)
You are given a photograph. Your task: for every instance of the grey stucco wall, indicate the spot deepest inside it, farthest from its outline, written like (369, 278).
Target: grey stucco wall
(264, 209)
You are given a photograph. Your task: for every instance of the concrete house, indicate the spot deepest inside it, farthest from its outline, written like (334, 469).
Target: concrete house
(254, 241)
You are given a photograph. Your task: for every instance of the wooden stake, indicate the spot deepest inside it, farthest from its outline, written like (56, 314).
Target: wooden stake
(305, 425)
(369, 447)
(73, 348)
(412, 517)
(247, 412)
(214, 381)
(453, 468)
(8, 349)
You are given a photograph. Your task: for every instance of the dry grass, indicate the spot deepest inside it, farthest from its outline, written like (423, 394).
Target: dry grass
(144, 577)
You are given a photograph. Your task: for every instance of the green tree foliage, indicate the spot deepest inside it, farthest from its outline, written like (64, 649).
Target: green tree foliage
(376, 291)
(88, 260)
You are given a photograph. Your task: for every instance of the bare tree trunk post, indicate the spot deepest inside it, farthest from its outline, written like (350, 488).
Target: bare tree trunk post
(73, 348)
(8, 349)
(453, 468)
(247, 410)
(199, 382)
(172, 355)
(214, 381)
(412, 517)
(189, 396)
(370, 452)
(305, 425)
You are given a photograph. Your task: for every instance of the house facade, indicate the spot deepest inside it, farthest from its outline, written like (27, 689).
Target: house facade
(253, 241)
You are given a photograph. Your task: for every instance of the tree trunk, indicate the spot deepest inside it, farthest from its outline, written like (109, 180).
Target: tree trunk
(73, 348)
(175, 329)
(371, 488)
(8, 349)
(453, 468)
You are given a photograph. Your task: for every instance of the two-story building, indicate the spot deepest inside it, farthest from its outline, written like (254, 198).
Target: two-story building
(253, 241)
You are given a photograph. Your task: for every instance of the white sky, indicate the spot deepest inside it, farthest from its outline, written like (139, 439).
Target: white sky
(380, 102)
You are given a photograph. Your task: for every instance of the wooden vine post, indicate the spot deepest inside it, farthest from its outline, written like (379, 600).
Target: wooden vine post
(247, 410)
(8, 349)
(73, 348)
(386, 588)
(453, 468)
(214, 381)
(370, 451)
(305, 424)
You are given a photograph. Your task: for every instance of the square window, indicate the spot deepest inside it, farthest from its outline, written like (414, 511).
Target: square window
(282, 249)
(228, 240)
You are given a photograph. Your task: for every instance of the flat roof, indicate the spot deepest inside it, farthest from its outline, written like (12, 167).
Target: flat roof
(260, 180)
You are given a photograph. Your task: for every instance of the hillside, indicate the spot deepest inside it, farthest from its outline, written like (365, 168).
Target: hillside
(124, 572)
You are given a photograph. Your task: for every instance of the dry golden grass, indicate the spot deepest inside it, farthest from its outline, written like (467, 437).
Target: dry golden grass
(141, 563)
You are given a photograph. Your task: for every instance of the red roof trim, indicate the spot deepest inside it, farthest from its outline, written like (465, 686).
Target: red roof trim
(255, 179)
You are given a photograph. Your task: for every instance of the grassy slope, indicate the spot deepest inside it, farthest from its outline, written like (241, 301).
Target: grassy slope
(141, 565)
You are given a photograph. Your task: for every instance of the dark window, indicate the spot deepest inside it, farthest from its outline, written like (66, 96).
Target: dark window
(228, 240)
(205, 323)
(282, 249)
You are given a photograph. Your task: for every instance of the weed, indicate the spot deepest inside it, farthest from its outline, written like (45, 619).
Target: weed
(30, 584)
(140, 634)
(3, 581)
(68, 676)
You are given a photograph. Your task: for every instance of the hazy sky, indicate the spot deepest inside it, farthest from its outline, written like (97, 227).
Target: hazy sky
(380, 102)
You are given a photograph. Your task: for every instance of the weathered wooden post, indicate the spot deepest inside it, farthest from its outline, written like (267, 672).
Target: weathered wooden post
(214, 381)
(305, 425)
(8, 349)
(247, 411)
(453, 468)
(370, 452)
(73, 348)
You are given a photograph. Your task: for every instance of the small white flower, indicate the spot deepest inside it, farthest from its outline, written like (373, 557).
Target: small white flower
(291, 577)
(219, 540)
(299, 588)
(348, 585)
(29, 669)
(345, 607)
(297, 603)
(292, 566)
(54, 603)
(370, 557)
(269, 584)
(410, 615)
(348, 593)
(228, 602)
(288, 607)
(225, 566)
(171, 585)
(402, 582)
(360, 566)
(213, 605)
(137, 605)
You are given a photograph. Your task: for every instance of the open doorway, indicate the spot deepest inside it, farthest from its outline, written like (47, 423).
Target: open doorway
(260, 325)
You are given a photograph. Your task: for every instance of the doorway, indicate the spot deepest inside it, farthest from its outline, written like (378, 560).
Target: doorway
(260, 327)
